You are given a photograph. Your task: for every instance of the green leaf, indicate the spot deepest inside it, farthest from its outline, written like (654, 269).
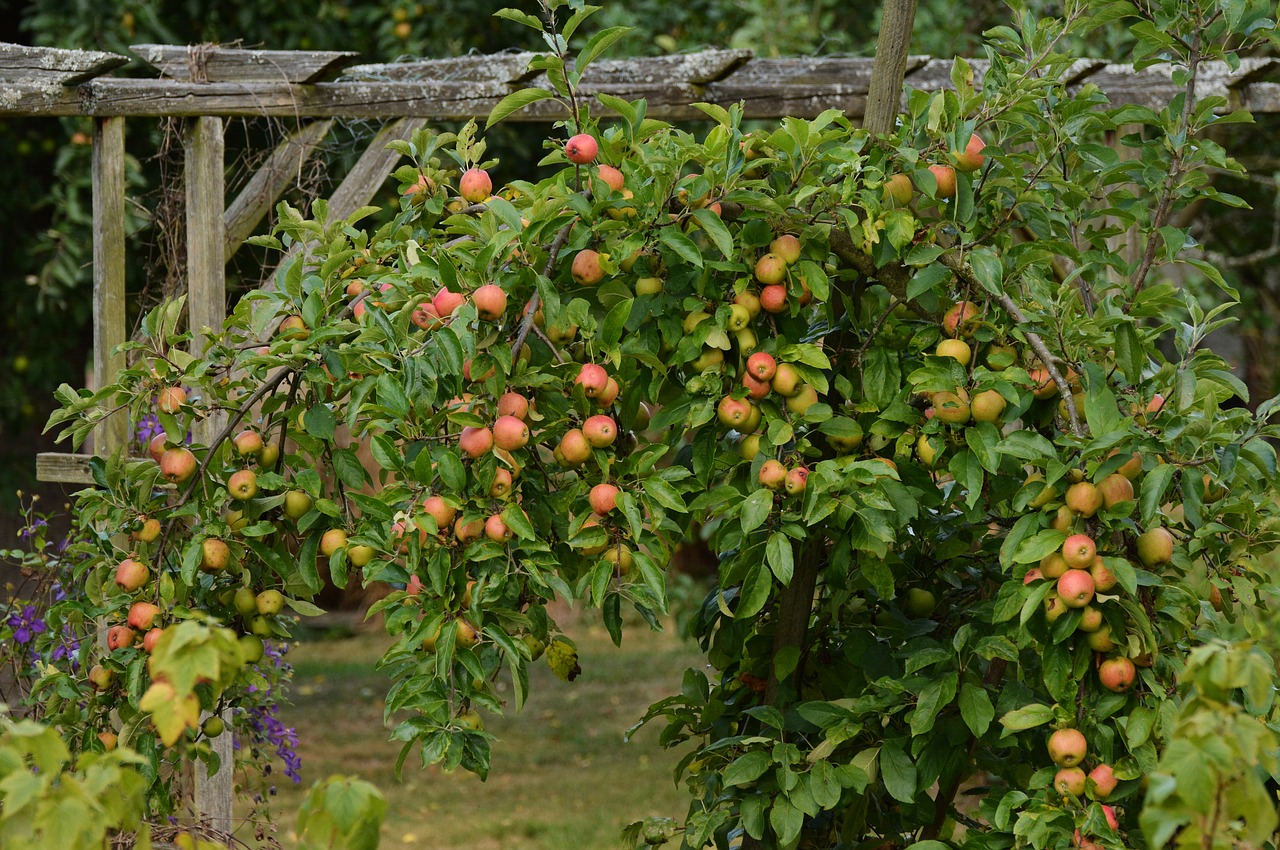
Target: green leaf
(320, 422)
(1130, 356)
(599, 43)
(1154, 485)
(976, 708)
(755, 592)
(673, 238)
(1027, 717)
(926, 279)
(746, 768)
(715, 228)
(898, 772)
(520, 18)
(779, 556)
(988, 269)
(514, 102)
(755, 509)
(615, 323)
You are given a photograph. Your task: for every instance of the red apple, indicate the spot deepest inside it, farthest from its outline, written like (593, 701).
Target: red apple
(143, 615)
(773, 298)
(490, 301)
(586, 269)
(177, 465)
(773, 474)
(600, 431)
(513, 404)
(971, 158)
(475, 186)
(796, 481)
(510, 433)
(496, 529)
(582, 149)
(171, 399)
(1068, 747)
(593, 378)
(1117, 674)
(475, 442)
(1078, 551)
(120, 637)
(762, 366)
(1075, 588)
(603, 498)
(574, 447)
(771, 269)
(243, 484)
(132, 575)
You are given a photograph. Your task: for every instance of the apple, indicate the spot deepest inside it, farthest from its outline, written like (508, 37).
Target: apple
(293, 327)
(247, 443)
(796, 481)
(1084, 498)
(1101, 640)
(787, 247)
(490, 301)
(957, 349)
(151, 638)
(466, 635)
(245, 601)
(1033, 575)
(733, 412)
(251, 648)
(171, 399)
(971, 158)
(513, 404)
(899, 190)
(1053, 565)
(770, 270)
(177, 465)
(593, 378)
(109, 740)
(440, 511)
(1075, 588)
(600, 431)
(1064, 520)
(611, 176)
(945, 176)
(1102, 782)
(709, 359)
(750, 300)
(1070, 781)
(988, 406)
(502, 484)
(586, 269)
(761, 366)
(132, 575)
(1117, 674)
(475, 442)
(926, 451)
(100, 677)
(1132, 467)
(648, 286)
(120, 637)
(574, 447)
(952, 408)
(426, 317)
(961, 319)
(610, 394)
(215, 555)
(1103, 578)
(786, 380)
(475, 186)
(1078, 551)
(156, 447)
(603, 498)
(620, 557)
(446, 303)
(496, 529)
(1155, 547)
(268, 456)
(510, 433)
(582, 149)
(1090, 619)
(269, 602)
(333, 540)
(243, 484)
(773, 298)
(143, 615)
(297, 504)
(1068, 747)
(465, 532)
(772, 474)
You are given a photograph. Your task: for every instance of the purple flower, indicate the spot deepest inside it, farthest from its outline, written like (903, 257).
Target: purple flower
(148, 428)
(26, 624)
(29, 531)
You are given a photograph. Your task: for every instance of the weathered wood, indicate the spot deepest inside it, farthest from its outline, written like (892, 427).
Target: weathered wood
(53, 66)
(216, 63)
(510, 67)
(884, 98)
(63, 468)
(366, 177)
(109, 328)
(203, 146)
(771, 87)
(267, 183)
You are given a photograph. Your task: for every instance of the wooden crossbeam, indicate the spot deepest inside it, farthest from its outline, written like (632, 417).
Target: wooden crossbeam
(269, 182)
(222, 64)
(20, 63)
(63, 468)
(799, 87)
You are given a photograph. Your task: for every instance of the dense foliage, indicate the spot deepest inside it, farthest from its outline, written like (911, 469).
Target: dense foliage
(988, 513)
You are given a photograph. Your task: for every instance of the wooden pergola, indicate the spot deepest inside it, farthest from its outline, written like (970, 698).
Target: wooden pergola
(207, 84)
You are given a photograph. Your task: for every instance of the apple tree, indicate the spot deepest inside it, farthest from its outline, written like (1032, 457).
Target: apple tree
(990, 517)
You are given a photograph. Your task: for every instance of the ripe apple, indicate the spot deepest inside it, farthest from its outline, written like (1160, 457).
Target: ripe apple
(971, 158)
(297, 504)
(1078, 551)
(143, 615)
(772, 474)
(961, 319)
(132, 575)
(611, 176)
(762, 366)
(446, 303)
(513, 404)
(466, 636)
(796, 481)
(333, 540)
(610, 394)
(109, 740)
(1032, 575)
(1117, 674)
(151, 638)
(248, 443)
(593, 378)
(426, 317)
(603, 498)
(215, 555)
(1068, 747)
(945, 175)
(952, 408)
(440, 511)
(510, 433)
(171, 399)
(1046, 387)
(496, 529)
(1070, 781)
(988, 406)
(750, 300)
(465, 532)
(586, 268)
(574, 447)
(1155, 547)
(293, 327)
(756, 389)
(269, 602)
(773, 298)
(120, 637)
(899, 190)
(1103, 578)
(100, 677)
(177, 465)
(1102, 782)
(787, 247)
(582, 149)
(156, 447)
(475, 186)
(958, 349)
(1115, 488)
(1075, 588)
(786, 380)
(475, 442)
(243, 484)
(490, 301)
(770, 270)
(600, 431)
(1084, 498)
(733, 412)
(1132, 467)
(502, 484)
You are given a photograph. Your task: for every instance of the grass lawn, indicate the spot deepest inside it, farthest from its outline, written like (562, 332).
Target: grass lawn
(562, 776)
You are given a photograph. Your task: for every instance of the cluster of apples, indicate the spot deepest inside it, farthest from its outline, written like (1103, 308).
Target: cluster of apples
(1069, 750)
(899, 188)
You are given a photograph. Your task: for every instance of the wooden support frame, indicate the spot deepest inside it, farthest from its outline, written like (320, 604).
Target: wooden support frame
(108, 273)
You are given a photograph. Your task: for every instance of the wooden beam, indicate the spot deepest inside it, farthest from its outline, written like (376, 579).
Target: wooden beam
(366, 177)
(270, 180)
(109, 328)
(216, 63)
(63, 468)
(54, 66)
(203, 147)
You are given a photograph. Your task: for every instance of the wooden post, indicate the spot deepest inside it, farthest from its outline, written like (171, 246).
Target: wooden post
(207, 308)
(108, 273)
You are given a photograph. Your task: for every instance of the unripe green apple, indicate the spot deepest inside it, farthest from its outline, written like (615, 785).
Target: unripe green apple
(269, 602)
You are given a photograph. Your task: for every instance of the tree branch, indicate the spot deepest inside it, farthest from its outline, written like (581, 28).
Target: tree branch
(884, 96)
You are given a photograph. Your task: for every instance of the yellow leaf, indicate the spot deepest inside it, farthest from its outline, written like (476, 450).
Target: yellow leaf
(171, 713)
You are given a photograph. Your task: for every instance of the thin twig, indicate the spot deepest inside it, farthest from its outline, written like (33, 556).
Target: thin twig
(553, 253)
